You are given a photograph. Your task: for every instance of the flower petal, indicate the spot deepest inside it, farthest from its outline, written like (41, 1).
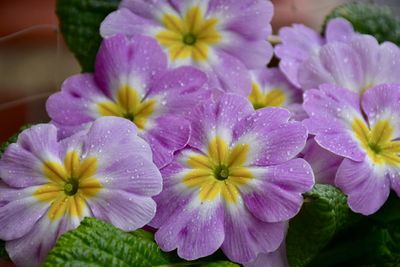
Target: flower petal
(124, 210)
(169, 134)
(217, 118)
(323, 162)
(246, 236)
(332, 111)
(196, 230)
(124, 21)
(278, 196)
(128, 61)
(366, 186)
(21, 164)
(271, 137)
(31, 249)
(339, 30)
(20, 213)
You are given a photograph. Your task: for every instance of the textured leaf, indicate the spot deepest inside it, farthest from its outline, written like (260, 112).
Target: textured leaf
(323, 214)
(95, 243)
(3, 252)
(373, 19)
(80, 22)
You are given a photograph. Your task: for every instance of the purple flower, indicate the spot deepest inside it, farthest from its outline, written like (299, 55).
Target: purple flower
(131, 80)
(324, 163)
(365, 131)
(222, 37)
(270, 88)
(357, 65)
(299, 43)
(49, 186)
(276, 258)
(235, 184)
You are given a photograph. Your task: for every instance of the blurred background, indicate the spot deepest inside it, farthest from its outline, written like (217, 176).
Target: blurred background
(34, 60)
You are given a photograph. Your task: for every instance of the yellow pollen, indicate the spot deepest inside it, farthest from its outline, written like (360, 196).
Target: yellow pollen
(189, 36)
(128, 105)
(377, 142)
(219, 173)
(69, 185)
(274, 97)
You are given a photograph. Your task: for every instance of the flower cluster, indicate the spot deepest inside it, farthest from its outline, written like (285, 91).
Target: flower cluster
(183, 128)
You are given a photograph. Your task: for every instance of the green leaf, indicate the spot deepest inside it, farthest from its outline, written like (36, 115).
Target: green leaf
(373, 19)
(96, 243)
(80, 22)
(324, 213)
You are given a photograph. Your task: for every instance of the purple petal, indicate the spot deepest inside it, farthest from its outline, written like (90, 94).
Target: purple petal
(21, 212)
(382, 101)
(365, 185)
(218, 117)
(142, 8)
(339, 30)
(70, 106)
(122, 209)
(388, 64)
(277, 258)
(298, 44)
(169, 134)
(134, 61)
(196, 231)
(271, 137)
(246, 236)
(134, 174)
(239, 15)
(124, 21)
(323, 162)
(332, 110)
(20, 165)
(337, 62)
(256, 55)
(278, 197)
(31, 249)
(230, 74)
(180, 90)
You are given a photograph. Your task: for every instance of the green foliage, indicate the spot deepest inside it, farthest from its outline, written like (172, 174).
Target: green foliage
(95, 243)
(80, 22)
(373, 19)
(323, 214)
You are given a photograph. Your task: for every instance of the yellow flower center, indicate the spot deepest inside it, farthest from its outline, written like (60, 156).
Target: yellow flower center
(70, 184)
(189, 36)
(221, 172)
(128, 105)
(272, 98)
(377, 142)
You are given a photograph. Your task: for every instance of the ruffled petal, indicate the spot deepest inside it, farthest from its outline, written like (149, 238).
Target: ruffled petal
(128, 61)
(339, 30)
(124, 21)
(278, 194)
(323, 162)
(21, 164)
(272, 139)
(196, 230)
(246, 236)
(169, 134)
(20, 213)
(31, 249)
(332, 111)
(217, 118)
(366, 185)
(124, 210)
